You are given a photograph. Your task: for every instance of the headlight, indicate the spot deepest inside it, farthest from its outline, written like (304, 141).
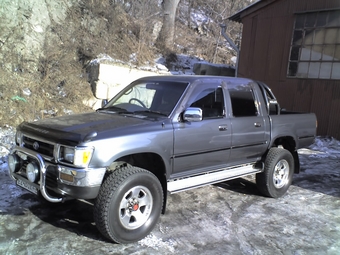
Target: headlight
(18, 138)
(32, 172)
(68, 154)
(14, 163)
(78, 156)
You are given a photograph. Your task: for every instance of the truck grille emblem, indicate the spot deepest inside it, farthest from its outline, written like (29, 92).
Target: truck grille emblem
(36, 146)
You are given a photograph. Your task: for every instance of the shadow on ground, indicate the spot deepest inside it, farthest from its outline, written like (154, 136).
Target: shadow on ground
(75, 216)
(240, 185)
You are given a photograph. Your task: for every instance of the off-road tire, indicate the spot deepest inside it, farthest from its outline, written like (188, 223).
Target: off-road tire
(128, 205)
(278, 172)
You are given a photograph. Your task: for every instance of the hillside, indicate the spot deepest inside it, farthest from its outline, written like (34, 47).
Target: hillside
(46, 46)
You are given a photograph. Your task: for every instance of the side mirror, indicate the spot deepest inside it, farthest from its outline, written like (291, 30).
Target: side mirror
(104, 102)
(193, 114)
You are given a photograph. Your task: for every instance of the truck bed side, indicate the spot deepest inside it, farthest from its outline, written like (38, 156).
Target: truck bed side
(300, 126)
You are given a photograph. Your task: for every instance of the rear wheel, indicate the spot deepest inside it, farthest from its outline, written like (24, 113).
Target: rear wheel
(128, 205)
(277, 176)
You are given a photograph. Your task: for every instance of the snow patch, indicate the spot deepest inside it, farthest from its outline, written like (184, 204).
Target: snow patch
(157, 243)
(323, 147)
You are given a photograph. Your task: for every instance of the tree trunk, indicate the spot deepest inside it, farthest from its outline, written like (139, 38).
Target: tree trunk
(167, 33)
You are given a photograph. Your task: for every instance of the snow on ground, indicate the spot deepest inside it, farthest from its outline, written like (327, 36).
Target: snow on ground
(209, 220)
(323, 148)
(179, 65)
(7, 135)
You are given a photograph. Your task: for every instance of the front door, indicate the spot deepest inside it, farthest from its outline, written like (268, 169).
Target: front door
(204, 145)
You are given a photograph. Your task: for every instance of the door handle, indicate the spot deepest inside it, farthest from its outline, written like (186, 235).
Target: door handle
(222, 127)
(257, 124)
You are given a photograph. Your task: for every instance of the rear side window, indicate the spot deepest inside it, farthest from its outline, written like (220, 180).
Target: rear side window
(242, 101)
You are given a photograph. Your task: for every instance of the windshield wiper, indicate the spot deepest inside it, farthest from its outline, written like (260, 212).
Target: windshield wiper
(150, 111)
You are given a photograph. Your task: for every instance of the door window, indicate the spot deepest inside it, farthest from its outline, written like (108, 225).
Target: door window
(210, 100)
(242, 101)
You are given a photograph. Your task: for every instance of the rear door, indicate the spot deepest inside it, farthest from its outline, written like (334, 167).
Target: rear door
(203, 145)
(249, 127)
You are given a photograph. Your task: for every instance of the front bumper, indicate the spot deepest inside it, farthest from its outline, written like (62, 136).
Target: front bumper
(57, 182)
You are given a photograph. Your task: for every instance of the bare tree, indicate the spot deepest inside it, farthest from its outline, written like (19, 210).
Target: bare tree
(215, 47)
(167, 33)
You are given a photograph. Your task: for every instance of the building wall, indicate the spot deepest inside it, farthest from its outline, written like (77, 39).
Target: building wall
(265, 49)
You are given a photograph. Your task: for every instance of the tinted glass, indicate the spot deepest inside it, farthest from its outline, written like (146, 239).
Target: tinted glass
(211, 102)
(242, 101)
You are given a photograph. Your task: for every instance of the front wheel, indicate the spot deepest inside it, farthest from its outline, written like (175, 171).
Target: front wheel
(277, 176)
(128, 205)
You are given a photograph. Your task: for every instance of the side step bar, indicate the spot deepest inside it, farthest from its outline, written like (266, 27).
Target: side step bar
(187, 183)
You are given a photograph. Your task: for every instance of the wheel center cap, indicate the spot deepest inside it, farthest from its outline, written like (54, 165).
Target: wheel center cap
(135, 207)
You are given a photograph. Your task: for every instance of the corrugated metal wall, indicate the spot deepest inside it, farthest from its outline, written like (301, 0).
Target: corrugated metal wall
(265, 49)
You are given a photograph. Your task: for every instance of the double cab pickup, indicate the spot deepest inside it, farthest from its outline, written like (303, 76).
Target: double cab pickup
(158, 136)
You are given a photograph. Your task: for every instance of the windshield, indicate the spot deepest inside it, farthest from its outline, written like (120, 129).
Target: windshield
(148, 97)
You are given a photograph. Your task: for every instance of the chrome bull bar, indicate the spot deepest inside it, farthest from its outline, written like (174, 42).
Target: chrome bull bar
(42, 169)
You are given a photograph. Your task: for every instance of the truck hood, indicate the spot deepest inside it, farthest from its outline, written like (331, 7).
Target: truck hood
(80, 127)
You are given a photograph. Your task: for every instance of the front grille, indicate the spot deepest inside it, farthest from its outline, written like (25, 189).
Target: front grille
(38, 146)
(51, 177)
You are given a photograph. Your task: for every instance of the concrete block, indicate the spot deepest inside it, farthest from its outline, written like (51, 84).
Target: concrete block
(108, 79)
(213, 69)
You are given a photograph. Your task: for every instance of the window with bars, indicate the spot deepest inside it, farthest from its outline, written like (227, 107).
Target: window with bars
(315, 46)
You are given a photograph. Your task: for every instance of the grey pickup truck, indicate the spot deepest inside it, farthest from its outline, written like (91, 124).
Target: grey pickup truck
(158, 136)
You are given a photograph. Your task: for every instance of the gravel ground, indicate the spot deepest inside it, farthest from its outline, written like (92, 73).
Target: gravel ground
(228, 218)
